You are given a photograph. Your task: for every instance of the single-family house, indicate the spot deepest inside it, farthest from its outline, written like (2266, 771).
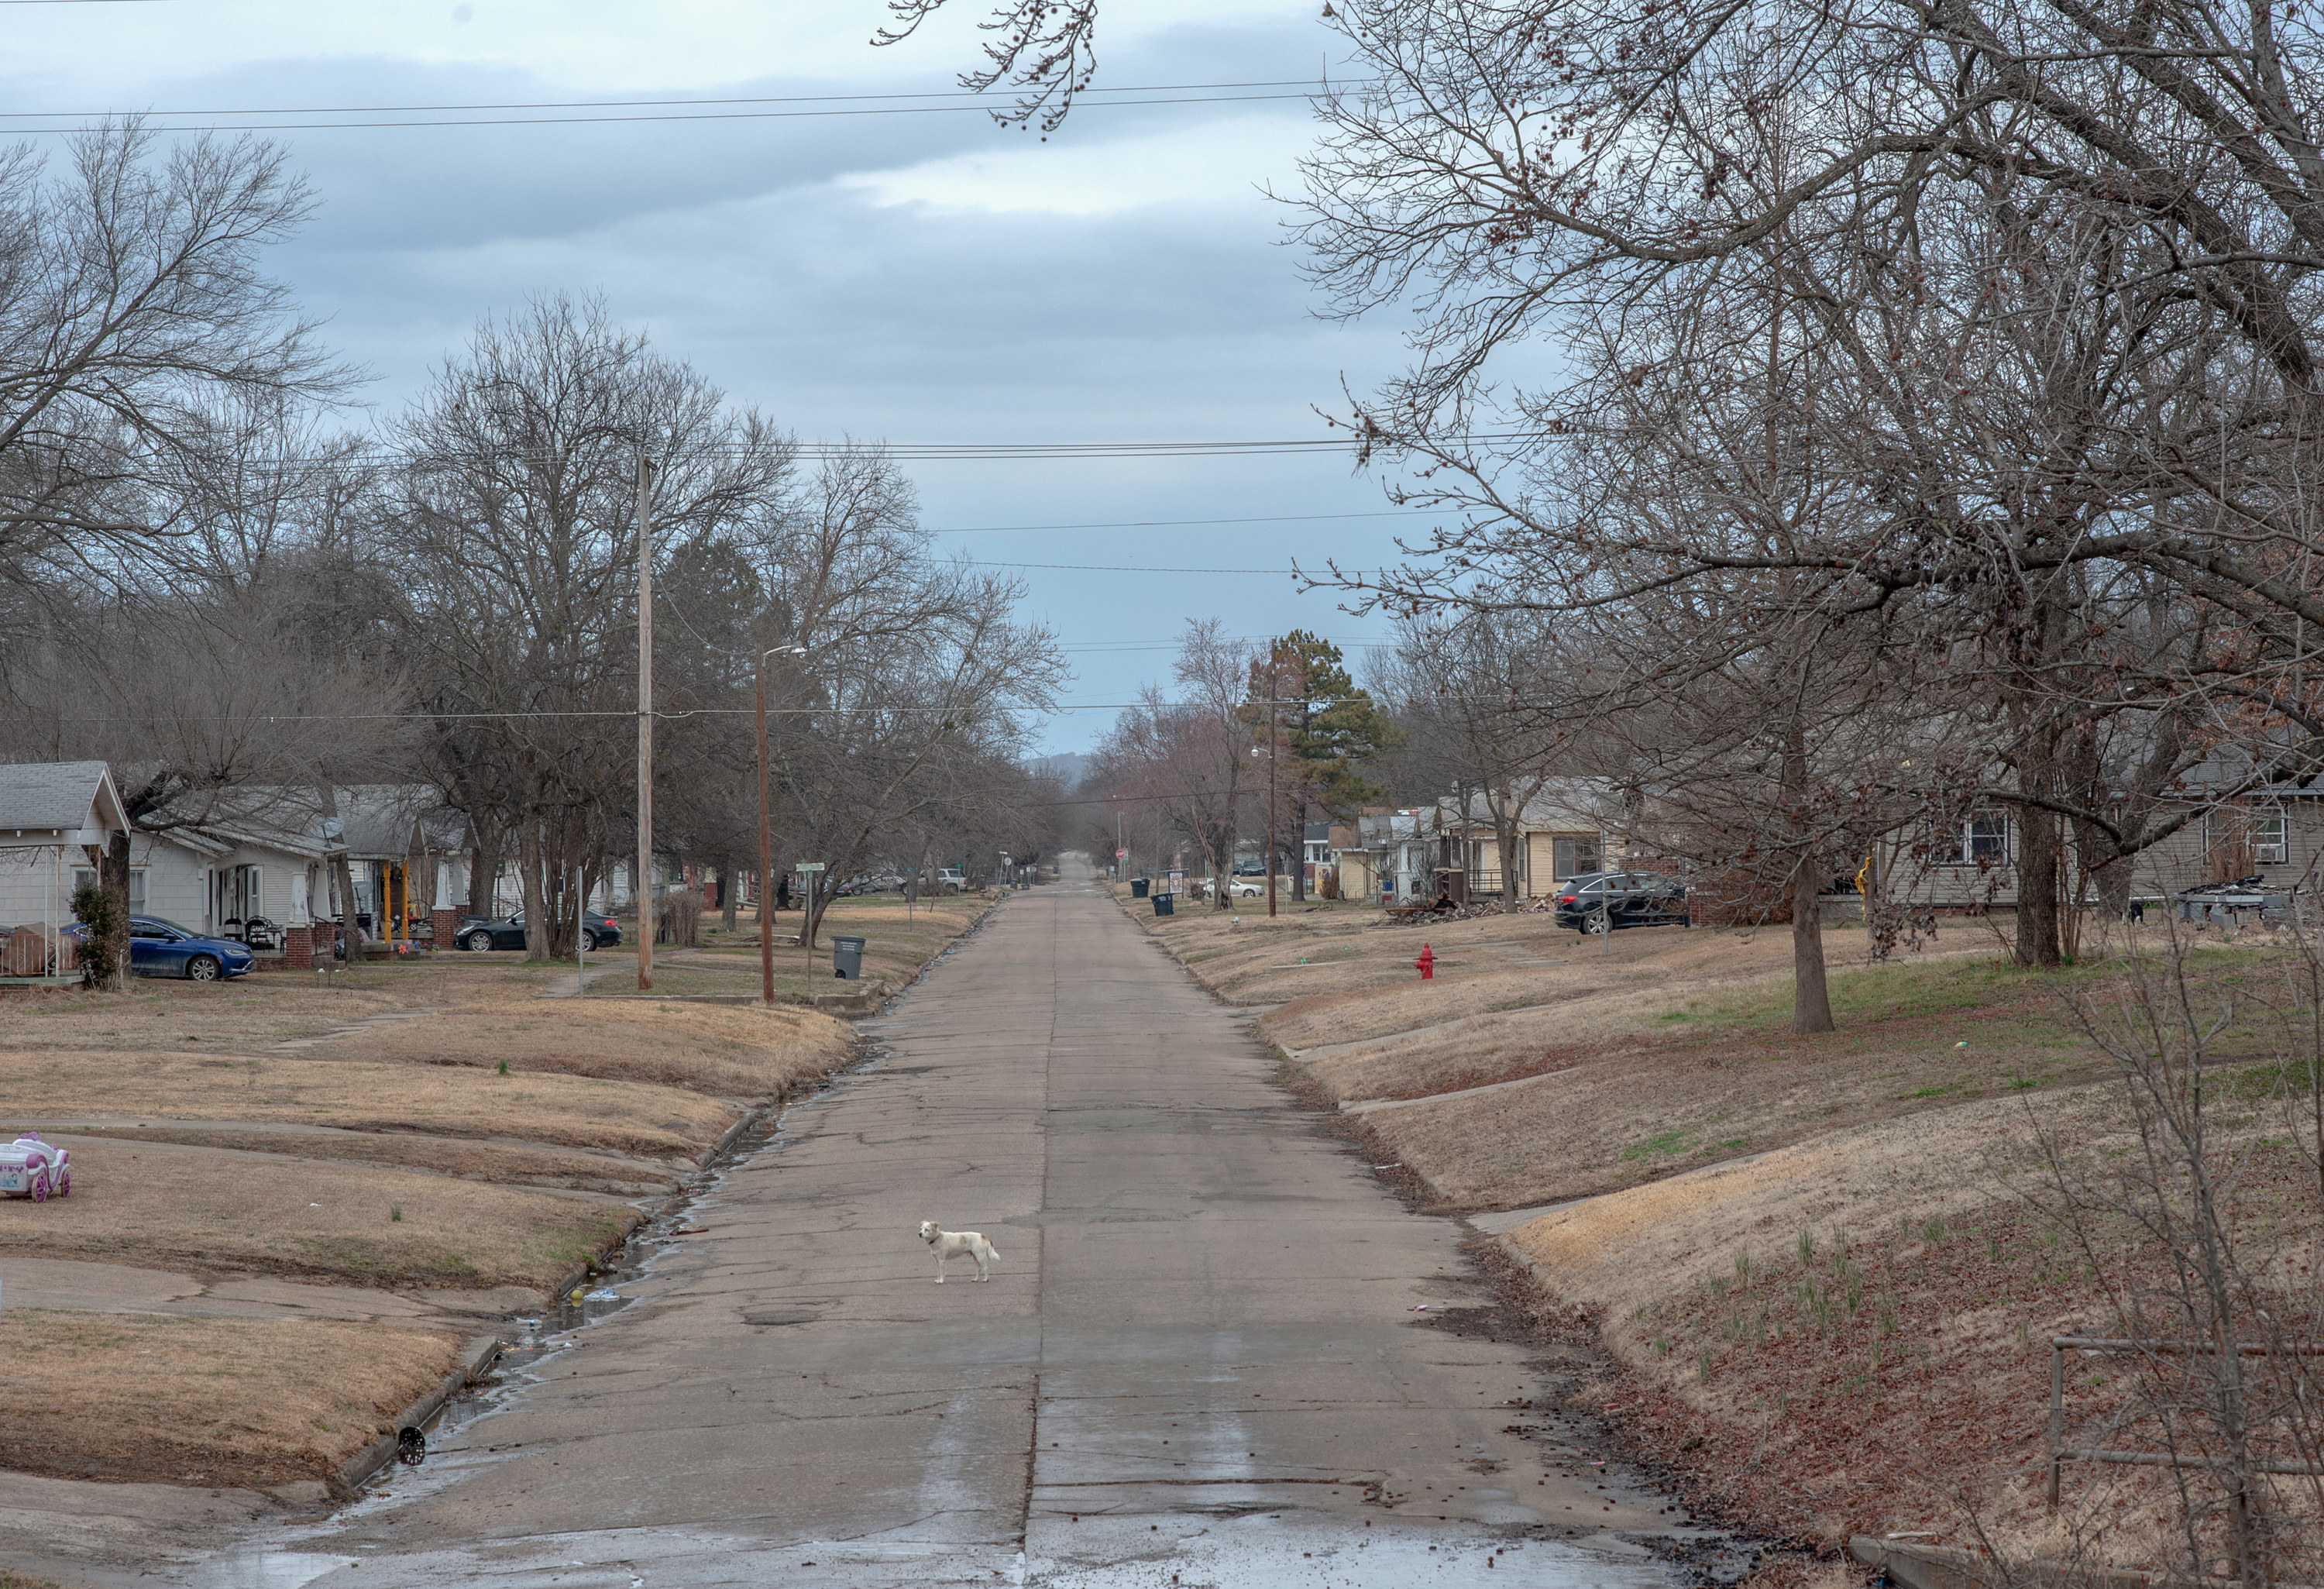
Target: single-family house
(1562, 832)
(55, 818)
(408, 859)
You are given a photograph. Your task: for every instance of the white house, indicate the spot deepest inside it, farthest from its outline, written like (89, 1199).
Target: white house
(211, 877)
(55, 816)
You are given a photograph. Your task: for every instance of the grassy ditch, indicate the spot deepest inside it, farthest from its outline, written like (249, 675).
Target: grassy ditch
(460, 1130)
(246, 1403)
(1825, 1268)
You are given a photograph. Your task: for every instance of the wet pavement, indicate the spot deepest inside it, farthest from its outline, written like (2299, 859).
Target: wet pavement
(1215, 1350)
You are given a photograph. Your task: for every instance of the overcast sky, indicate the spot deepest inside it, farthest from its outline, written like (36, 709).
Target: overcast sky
(918, 278)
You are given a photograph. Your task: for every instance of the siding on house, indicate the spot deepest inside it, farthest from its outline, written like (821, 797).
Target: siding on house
(2214, 847)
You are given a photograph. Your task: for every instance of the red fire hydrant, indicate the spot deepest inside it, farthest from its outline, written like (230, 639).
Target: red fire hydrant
(1427, 963)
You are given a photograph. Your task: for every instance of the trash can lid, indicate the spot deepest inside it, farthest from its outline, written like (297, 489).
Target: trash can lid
(840, 939)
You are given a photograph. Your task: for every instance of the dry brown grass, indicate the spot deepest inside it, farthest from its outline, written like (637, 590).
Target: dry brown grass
(506, 1163)
(249, 1013)
(746, 1051)
(1508, 1017)
(211, 1211)
(450, 1100)
(1637, 1113)
(214, 1401)
(1850, 1334)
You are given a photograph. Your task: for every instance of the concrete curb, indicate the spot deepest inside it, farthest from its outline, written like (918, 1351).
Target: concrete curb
(475, 1363)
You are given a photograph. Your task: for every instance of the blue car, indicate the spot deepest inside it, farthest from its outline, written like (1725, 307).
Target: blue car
(163, 949)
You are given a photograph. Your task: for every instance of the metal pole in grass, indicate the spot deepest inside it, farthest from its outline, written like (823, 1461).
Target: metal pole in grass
(581, 955)
(766, 835)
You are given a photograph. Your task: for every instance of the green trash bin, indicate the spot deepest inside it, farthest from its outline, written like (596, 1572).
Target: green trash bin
(1163, 904)
(847, 957)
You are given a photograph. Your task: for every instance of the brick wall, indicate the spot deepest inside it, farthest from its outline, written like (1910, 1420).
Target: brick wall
(444, 923)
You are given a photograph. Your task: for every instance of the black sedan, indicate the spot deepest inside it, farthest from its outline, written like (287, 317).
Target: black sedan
(1599, 901)
(479, 933)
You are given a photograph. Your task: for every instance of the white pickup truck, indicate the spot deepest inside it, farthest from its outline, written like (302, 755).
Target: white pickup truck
(31, 1167)
(951, 880)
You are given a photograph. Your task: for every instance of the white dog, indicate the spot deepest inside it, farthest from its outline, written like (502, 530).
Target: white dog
(951, 1244)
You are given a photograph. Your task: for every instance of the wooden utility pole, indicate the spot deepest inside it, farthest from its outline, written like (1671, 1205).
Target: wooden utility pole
(766, 855)
(645, 732)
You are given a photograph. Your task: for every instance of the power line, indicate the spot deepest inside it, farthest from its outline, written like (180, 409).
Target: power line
(1174, 524)
(1119, 568)
(564, 121)
(609, 104)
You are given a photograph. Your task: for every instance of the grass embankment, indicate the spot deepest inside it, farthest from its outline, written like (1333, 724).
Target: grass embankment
(898, 939)
(1837, 1322)
(246, 1403)
(411, 1126)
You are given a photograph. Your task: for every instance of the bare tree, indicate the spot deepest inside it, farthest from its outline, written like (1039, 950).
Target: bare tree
(908, 710)
(135, 323)
(512, 524)
(1483, 697)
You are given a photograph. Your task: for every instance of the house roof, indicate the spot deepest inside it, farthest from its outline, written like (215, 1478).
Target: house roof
(57, 797)
(388, 821)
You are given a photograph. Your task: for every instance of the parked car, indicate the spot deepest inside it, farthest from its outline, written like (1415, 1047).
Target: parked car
(1244, 887)
(951, 880)
(158, 947)
(479, 933)
(1598, 902)
(31, 1167)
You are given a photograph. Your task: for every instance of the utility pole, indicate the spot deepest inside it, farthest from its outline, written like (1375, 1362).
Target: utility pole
(766, 855)
(766, 837)
(645, 732)
(1270, 808)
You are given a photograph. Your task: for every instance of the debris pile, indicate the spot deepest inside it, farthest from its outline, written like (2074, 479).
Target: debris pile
(1422, 915)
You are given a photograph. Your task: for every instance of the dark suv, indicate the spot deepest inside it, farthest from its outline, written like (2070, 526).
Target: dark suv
(1597, 901)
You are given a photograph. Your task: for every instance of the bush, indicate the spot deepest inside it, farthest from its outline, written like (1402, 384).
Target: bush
(677, 919)
(101, 913)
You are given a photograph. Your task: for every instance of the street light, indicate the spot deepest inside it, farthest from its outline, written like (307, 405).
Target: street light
(766, 833)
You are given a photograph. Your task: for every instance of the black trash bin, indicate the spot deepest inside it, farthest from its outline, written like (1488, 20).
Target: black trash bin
(1138, 888)
(1165, 904)
(847, 957)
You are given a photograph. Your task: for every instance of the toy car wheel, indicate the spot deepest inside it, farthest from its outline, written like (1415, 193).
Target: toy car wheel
(202, 968)
(476, 943)
(40, 1185)
(64, 1182)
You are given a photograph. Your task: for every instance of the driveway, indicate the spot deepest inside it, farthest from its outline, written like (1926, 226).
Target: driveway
(1216, 1351)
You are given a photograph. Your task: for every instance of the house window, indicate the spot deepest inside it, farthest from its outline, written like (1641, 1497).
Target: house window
(1571, 857)
(2271, 845)
(84, 877)
(1984, 839)
(2239, 839)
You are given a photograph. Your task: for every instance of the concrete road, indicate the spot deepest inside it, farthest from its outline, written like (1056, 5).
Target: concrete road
(1203, 1359)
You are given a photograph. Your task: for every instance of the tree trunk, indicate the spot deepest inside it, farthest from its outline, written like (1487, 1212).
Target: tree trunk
(1299, 852)
(811, 898)
(536, 902)
(343, 877)
(729, 895)
(1506, 840)
(113, 877)
(2037, 888)
(484, 870)
(1811, 997)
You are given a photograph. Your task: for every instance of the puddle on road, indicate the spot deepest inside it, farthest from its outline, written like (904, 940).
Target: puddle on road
(1269, 1553)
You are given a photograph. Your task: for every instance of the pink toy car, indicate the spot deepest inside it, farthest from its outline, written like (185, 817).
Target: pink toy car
(31, 1167)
